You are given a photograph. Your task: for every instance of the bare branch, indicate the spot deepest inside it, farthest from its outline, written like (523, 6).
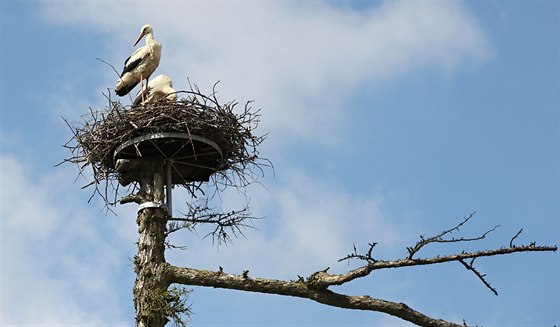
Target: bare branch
(367, 257)
(439, 238)
(226, 224)
(470, 267)
(514, 237)
(315, 287)
(384, 264)
(220, 279)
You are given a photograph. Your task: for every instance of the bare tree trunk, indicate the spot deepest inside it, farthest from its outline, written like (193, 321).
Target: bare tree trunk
(150, 288)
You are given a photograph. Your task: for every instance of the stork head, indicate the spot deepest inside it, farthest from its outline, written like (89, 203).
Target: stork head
(146, 29)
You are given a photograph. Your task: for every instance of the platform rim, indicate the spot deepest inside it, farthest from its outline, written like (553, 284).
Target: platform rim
(166, 135)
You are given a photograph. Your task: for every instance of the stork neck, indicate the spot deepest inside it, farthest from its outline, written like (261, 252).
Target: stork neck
(149, 38)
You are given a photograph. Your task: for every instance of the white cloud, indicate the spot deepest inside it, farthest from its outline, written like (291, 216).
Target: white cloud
(300, 62)
(59, 262)
(309, 224)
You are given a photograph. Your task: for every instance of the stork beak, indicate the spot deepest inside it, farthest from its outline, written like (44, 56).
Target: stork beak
(138, 39)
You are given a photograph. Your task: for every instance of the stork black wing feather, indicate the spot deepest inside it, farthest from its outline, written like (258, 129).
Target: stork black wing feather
(129, 66)
(126, 89)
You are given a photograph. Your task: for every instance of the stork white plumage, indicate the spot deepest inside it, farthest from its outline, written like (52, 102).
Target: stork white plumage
(141, 64)
(158, 89)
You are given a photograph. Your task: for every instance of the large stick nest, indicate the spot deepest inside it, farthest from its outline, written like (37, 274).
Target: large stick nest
(96, 138)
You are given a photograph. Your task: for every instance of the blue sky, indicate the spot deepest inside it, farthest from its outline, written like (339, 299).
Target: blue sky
(386, 120)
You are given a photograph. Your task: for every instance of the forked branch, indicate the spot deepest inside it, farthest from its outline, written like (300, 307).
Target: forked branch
(243, 282)
(316, 286)
(440, 237)
(374, 264)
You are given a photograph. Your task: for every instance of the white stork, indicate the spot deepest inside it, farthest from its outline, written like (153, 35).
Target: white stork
(158, 89)
(141, 64)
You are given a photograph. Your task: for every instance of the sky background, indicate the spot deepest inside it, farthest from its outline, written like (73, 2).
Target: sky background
(386, 120)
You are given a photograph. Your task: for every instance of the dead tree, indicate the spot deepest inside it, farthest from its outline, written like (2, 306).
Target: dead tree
(151, 148)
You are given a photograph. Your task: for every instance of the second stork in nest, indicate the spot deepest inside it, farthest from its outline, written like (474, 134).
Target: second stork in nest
(141, 64)
(158, 89)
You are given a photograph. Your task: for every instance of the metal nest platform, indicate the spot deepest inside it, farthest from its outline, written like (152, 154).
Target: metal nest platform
(188, 158)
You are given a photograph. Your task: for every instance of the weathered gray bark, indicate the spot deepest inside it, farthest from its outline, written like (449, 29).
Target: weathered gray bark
(150, 288)
(302, 289)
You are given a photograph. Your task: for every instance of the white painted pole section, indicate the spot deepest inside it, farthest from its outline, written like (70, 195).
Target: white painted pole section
(168, 186)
